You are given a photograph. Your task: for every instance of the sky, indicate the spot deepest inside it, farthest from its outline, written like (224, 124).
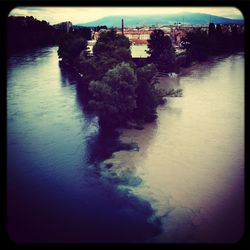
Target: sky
(77, 15)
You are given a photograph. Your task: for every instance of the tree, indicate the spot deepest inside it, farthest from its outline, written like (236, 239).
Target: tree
(218, 31)
(104, 27)
(197, 46)
(109, 42)
(167, 60)
(211, 29)
(125, 95)
(110, 49)
(87, 68)
(161, 51)
(83, 32)
(71, 47)
(113, 98)
(147, 96)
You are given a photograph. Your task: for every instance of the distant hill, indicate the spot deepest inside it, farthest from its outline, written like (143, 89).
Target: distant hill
(133, 21)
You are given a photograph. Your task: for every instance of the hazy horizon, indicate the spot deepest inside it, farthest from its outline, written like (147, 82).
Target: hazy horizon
(55, 15)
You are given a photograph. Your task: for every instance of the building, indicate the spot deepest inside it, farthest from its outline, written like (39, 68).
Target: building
(136, 36)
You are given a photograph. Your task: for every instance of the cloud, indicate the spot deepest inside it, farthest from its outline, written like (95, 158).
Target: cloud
(19, 11)
(86, 14)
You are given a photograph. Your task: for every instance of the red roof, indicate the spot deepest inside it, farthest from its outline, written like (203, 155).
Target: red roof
(138, 41)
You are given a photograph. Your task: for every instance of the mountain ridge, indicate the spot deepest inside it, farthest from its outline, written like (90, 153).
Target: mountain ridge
(148, 20)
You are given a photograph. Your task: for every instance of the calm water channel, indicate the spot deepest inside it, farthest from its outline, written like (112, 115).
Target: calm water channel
(184, 183)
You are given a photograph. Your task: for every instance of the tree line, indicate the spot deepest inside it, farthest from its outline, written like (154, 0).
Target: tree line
(28, 32)
(200, 44)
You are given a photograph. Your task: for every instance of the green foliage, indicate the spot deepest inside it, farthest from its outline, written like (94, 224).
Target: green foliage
(161, 51)
(167, 60)
(110, 44)
(157, 43)
(26, 32)
(173, 93)
(110, 41)
(97, 28)
(124, 95)
(147, 96)
(109, 50)
(113, 98)
(87, 67)
(83, 32)
(71, 47)
(118, 92)
(198, 46)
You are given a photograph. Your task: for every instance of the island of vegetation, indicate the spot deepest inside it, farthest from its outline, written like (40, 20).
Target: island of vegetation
(118, 90)
(121, 93)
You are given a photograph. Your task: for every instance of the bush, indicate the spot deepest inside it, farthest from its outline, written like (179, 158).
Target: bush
(113, 98)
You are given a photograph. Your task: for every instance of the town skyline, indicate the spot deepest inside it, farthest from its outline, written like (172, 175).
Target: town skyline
(76, 15)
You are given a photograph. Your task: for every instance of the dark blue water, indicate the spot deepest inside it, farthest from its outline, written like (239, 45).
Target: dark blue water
(56, 190)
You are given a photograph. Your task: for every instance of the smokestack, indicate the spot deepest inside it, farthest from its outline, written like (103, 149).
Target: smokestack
(122, 27)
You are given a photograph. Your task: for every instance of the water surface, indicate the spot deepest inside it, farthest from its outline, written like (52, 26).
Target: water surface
(191, 160)
(56, 190)
(183, 183)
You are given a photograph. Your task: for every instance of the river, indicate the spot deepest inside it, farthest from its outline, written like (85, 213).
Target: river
(184, 184)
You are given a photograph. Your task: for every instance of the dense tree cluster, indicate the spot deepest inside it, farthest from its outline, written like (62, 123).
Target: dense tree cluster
(113, 97)
(26, 32)
(70, 48)
(125, 94)
(148, 97)
(102, 27)
(119, 93)
(161, 51)
(223, 42)
(83, 32)
(199, 44)
(109, 50)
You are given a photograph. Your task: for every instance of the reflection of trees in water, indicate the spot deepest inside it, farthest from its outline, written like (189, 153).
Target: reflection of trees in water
(70, 77)
(67, 76)
(105, 142)
(99, 145)
(82, 96)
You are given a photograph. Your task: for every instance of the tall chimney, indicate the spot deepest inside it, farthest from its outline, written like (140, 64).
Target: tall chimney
(122, 27)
